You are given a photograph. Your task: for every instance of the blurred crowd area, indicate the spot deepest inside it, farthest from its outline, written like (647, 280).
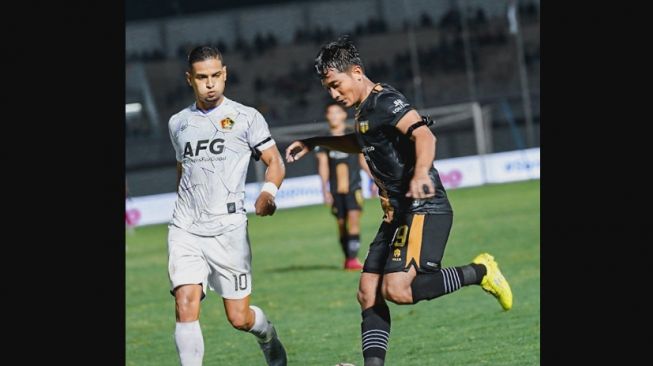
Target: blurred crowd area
(277, 76)
(280, 80)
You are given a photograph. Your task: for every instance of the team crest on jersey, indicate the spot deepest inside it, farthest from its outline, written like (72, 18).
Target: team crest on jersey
(363, 126)
(397, 255)
(227, 123)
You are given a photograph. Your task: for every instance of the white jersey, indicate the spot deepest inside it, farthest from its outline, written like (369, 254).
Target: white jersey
(214, 149)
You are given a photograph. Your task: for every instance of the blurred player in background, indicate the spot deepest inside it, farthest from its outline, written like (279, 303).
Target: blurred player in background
(341, 186)
(403, 264)
(130, 215)
(208, 244)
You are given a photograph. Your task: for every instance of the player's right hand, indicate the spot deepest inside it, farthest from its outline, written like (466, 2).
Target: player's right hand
(295, 151)
(421, 187)
(265, 205)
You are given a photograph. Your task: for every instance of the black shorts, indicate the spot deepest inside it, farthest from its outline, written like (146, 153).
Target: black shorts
(343, 202)
(410, 240)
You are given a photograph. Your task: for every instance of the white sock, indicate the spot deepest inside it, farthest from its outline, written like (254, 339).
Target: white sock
(190, 343)
(261, 329)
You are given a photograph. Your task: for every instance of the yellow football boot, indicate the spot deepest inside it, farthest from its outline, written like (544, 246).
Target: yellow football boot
(493, 282)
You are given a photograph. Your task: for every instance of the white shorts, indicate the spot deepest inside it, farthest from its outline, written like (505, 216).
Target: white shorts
(222, 262)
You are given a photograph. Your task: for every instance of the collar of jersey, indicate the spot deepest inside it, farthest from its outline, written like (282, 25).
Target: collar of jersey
(374, 91)
(202, 113)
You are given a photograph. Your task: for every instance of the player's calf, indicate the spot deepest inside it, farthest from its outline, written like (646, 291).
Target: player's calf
(188, 334)
(397, 287)
(241, 319)
(375, 334)
(397, 294)
(375, 326)
(190, 343)
(428, 286)
(368, 290)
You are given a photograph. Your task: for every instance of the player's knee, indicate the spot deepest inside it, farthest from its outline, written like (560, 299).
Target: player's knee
(366, 299)
(353, 225)
(240, 320)
(187, 307)
(397, 294)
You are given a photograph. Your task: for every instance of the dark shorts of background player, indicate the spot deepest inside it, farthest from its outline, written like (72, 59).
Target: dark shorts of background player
(343, 202)
(412, 239)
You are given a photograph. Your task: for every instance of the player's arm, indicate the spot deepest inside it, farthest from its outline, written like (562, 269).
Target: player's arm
(172, 126)
(424, 152)
(274, 175)
(180, 171)
(323, 171)
(345, 143)
(366, 168)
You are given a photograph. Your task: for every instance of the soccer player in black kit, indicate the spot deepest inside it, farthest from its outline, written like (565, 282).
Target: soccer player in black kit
(403, 264)
(341, 186)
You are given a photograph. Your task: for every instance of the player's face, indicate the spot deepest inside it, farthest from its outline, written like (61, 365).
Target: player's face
(343, 86)
(336, 117)
(208, 77)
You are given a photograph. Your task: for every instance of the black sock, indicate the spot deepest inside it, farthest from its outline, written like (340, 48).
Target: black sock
(374, 361)
(343, 245)
(353, 244)
(428, 286)
(473, 274)
(375, 333)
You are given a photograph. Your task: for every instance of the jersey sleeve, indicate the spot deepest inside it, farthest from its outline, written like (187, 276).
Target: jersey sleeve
(390, 108)
(173, 129)
(258, 134)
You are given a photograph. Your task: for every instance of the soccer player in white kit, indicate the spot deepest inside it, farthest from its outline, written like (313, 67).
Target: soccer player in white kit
(207, 239)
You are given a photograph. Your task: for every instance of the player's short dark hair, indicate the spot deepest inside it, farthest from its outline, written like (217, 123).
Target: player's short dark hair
(328, 105)
(339, 55)
(201, 53)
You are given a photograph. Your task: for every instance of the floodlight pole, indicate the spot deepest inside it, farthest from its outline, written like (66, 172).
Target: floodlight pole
(148, 99)
(523, 78)
(469, 64)
(414, 61)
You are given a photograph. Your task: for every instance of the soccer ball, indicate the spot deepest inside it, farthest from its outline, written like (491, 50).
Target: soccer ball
(345, 364)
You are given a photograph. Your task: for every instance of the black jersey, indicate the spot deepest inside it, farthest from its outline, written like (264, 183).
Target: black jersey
(344, 171)
(391, 154)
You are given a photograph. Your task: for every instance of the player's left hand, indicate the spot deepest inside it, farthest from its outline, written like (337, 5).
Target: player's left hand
(296, 150)
(265, 205)
(421, 187)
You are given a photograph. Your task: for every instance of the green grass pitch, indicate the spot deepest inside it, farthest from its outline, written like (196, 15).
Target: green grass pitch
(298, 282)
